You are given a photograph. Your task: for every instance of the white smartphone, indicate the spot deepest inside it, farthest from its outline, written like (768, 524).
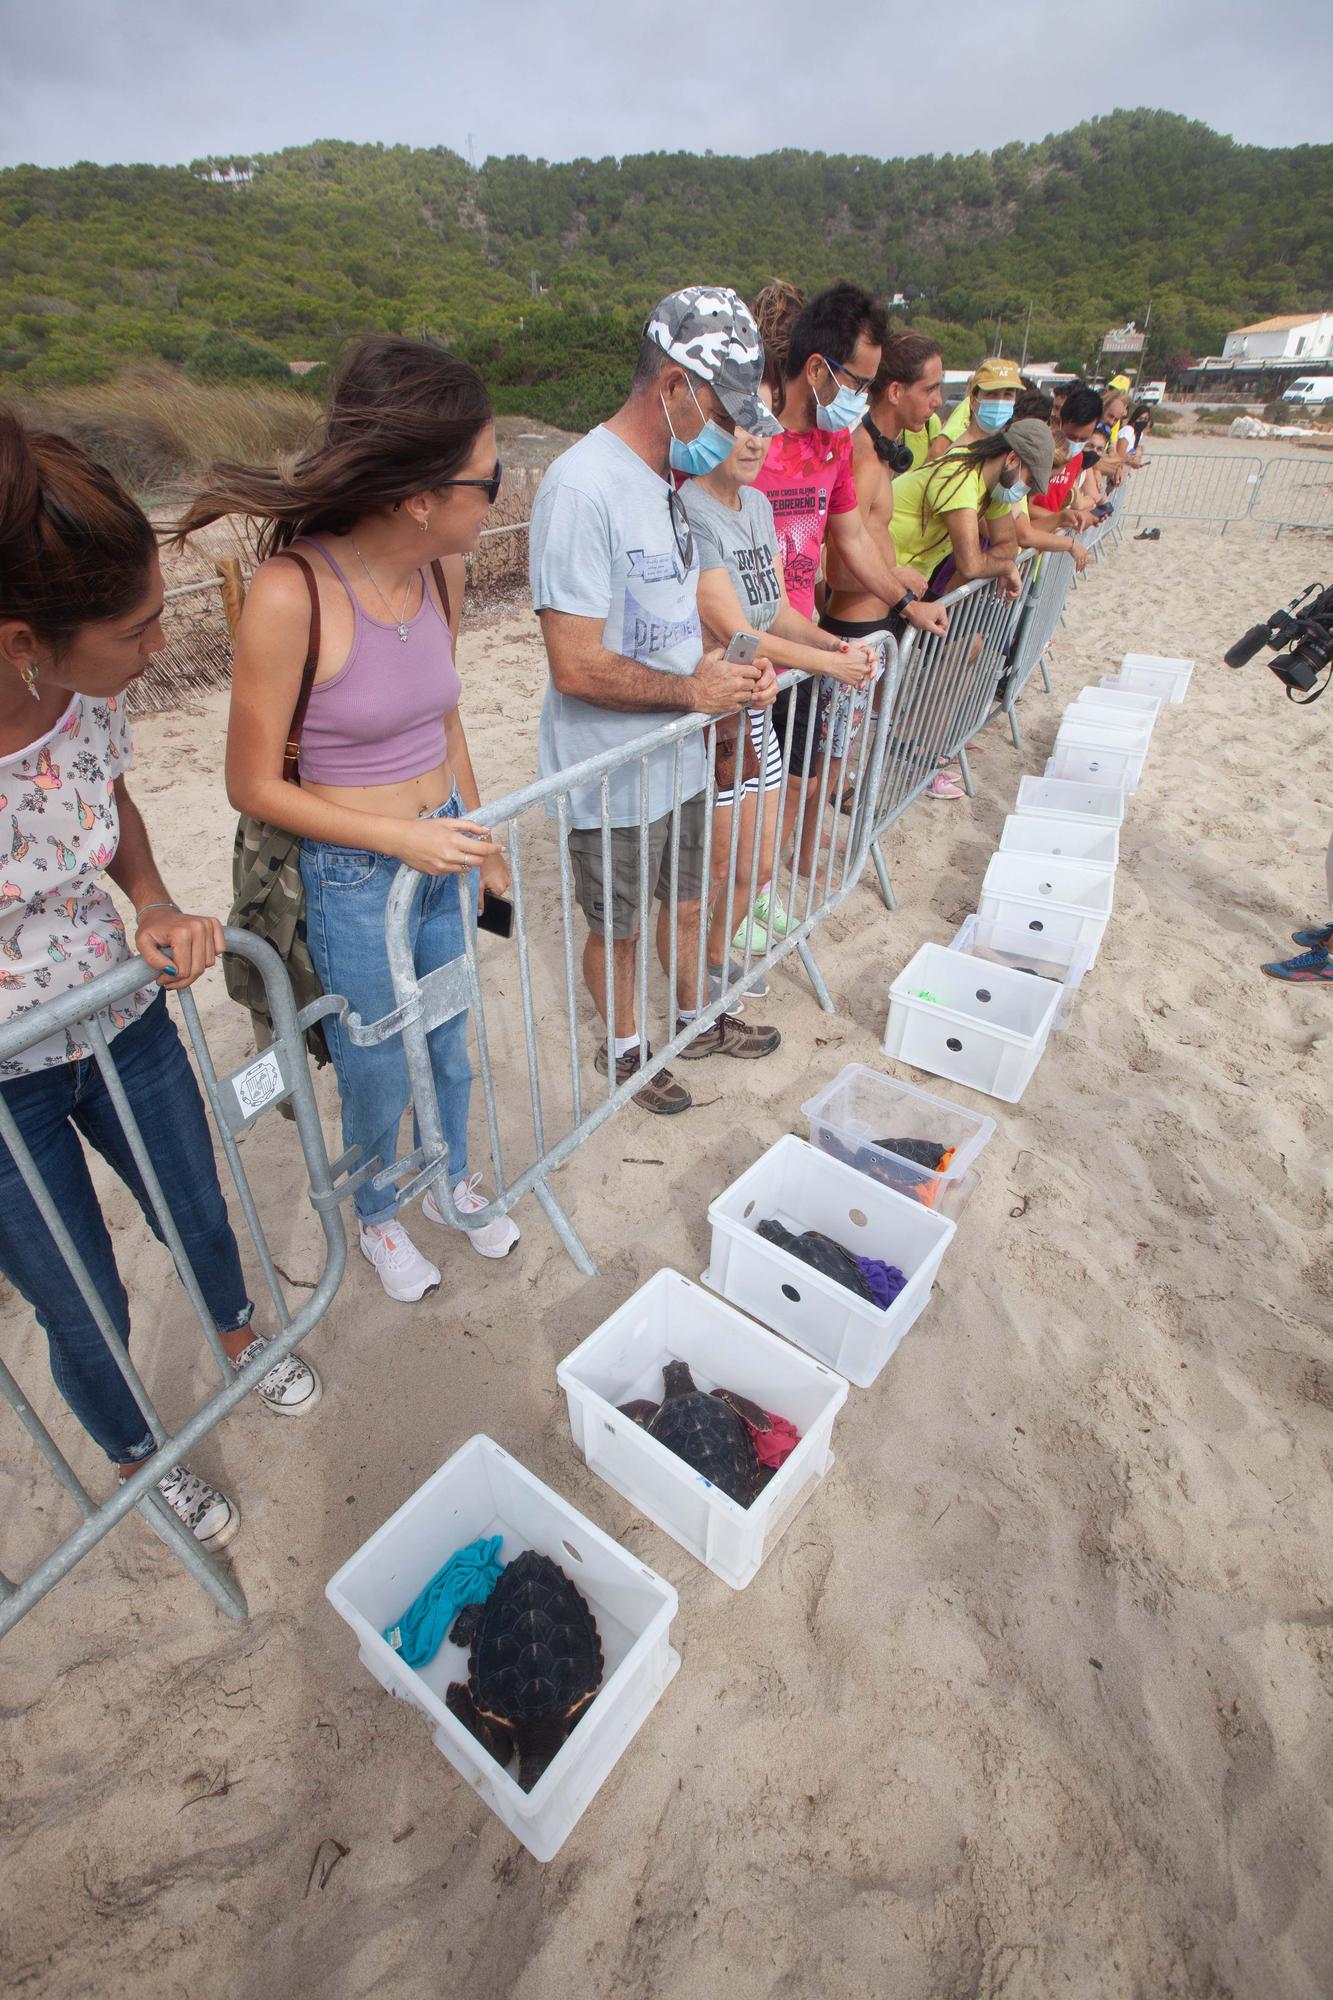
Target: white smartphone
(743, 650)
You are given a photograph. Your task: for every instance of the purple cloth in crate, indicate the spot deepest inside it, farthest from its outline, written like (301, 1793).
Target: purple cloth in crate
(885, 1280)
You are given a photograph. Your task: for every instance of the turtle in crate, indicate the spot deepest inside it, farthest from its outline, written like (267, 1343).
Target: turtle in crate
(534, 1665)
(710, 1429)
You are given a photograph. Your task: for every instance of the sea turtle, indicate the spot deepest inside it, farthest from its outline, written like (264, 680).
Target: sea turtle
(709, 1429)
(534, 1666)
(822, 1254)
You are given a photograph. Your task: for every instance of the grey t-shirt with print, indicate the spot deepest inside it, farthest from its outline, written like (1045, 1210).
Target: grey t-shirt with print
(602, 546)
(744, 543)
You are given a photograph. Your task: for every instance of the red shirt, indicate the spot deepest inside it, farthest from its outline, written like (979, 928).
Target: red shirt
(807, 476)
(1058, 493)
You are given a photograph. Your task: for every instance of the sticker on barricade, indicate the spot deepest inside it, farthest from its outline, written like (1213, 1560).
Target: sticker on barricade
(247, 1092)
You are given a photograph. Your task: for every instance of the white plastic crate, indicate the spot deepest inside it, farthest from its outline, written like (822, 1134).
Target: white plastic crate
(1099, 734)
(668, 1319)
(1042, 833)
(1093, 764)
(860, 1102)
(802, 1188)
(480, 1491)
(1098, 707)
(1072, 798)
(1152, 673)
(1133, 701)
(1048, 896)
(983, 1027)
(1061, 960)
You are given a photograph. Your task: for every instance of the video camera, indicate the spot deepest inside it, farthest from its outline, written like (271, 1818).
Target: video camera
(1302, 634)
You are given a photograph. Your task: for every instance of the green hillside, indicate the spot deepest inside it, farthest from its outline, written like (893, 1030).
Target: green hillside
(100, 266)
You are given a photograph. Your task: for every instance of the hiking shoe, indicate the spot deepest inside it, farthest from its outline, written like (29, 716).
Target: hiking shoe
(1312, 940)
(729, 1036)
(493, 1239)
(209, 1515)
(404, 1273)
(661, 1094)
(736, 970)
(290, 1389)
(1312, 966)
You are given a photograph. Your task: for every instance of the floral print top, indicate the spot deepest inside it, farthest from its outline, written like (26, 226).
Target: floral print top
(59, 827)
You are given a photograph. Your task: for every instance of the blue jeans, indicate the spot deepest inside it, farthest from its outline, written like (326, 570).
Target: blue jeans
(346, 891)
(51, 1108)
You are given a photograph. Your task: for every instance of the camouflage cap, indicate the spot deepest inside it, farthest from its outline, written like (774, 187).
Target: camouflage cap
(710, 331)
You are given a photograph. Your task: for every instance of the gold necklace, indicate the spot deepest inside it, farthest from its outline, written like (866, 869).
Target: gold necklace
(400, 616)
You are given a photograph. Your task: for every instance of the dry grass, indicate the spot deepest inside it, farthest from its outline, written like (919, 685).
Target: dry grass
(154, 427)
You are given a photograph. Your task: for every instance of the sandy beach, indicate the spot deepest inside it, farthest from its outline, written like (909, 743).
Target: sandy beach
(1031, 1700)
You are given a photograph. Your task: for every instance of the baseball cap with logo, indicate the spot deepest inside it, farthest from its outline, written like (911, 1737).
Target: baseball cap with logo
(712, 332)
(1120, 382)
(997, 373)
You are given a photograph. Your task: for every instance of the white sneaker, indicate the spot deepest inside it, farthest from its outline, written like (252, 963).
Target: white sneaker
(209, 1515)
(290, 1389)
(496, 1239)
(404, 1273)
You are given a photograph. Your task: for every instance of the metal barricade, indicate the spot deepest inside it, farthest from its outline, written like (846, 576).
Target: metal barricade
(539, 1024)
(237, 1100)
(1295, 493)
(1039, 616)
(1192, 486)
(945, 688)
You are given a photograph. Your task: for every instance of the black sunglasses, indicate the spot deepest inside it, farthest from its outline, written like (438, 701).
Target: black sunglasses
(681, 529)
(490, 487)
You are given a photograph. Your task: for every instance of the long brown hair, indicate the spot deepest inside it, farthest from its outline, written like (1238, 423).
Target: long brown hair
(74, 547)
(962, 459)
(775, 310)
(403, 417)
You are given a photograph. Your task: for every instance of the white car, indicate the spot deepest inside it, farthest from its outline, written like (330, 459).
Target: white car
(1151, 392)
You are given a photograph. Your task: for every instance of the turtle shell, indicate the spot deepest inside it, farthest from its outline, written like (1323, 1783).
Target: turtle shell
(536, 1654)
(708, 1435)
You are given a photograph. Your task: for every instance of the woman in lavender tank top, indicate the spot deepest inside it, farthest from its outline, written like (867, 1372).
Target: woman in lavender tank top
(379, 515)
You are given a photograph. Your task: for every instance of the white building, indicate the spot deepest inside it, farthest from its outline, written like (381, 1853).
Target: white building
(1289, 337)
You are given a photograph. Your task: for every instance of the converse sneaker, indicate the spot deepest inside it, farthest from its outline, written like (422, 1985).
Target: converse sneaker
(493, 1239)
(290, 1389)
(404, 1273)
(209, 1515)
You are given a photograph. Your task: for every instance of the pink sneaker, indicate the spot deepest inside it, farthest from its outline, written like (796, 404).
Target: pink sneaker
(944, 785)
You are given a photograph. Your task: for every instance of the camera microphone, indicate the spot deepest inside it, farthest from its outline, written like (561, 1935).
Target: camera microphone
(1245, 649)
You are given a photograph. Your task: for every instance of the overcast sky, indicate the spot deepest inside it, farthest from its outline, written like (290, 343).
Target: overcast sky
(118, 80)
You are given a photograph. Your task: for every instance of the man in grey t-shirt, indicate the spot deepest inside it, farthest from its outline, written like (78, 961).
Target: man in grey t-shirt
(614, 580)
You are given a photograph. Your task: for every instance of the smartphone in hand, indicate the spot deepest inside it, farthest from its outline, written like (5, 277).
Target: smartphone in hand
(496, 914)
(743, 650)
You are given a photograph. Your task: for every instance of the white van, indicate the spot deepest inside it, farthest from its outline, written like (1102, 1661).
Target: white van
(1150, 392)
(1310, 389)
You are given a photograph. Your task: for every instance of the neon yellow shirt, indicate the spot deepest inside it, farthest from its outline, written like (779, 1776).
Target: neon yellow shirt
(958, 420)
(922, 503)
(919, 442)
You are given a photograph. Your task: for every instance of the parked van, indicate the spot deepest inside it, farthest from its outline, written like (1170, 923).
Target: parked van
(1310, 389)
(1151, 392)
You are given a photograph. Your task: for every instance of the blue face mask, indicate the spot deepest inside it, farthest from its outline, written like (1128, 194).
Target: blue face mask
(701, 454)
(993, 416)
(1011, 495)
(845, 412)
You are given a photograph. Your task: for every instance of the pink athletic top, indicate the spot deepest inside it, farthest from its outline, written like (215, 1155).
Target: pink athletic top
(380, 718)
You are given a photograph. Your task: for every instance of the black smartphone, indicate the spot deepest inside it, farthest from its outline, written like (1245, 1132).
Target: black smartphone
(496, 914)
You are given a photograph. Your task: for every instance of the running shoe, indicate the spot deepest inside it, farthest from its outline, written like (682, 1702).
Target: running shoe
(404, 1273)
(494, 1239)
(1314, 967)
(1311, 940)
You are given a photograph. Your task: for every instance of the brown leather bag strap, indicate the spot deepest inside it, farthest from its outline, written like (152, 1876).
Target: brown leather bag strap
(437, 571)
(294, 728)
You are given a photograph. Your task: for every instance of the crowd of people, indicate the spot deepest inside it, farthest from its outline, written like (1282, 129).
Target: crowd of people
(779, 474)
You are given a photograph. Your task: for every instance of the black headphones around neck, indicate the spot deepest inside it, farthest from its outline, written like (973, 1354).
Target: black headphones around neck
(891, 451)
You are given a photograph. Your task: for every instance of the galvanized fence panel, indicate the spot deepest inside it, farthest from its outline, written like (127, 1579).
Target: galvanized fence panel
(1295, 493)
(531, 1013)
(1194, 486)
(280, 1075)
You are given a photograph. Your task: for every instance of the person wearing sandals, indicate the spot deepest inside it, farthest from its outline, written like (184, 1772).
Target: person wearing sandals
(364, 539)
(615, 573)
(80, 605)
(741, 589)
